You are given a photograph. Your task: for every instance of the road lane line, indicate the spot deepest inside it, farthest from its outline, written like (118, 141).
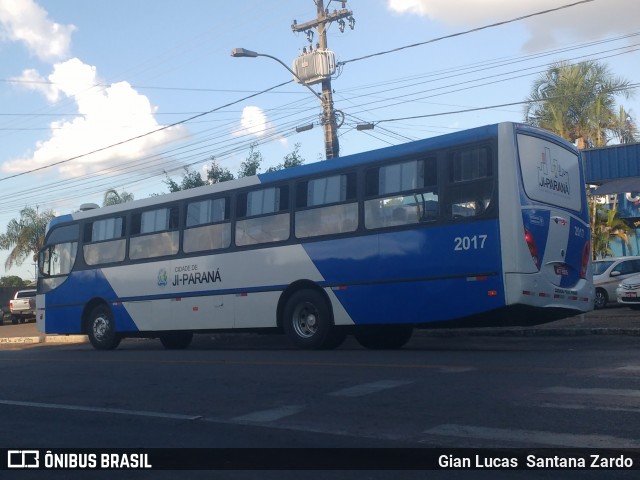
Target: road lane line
(532, 436)
(269, 415)
(630, 368)
(577, 406)
(617, 392)
(84, 408)
(369, 388)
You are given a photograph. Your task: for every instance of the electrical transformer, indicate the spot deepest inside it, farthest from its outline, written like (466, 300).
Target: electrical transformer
(314, 67)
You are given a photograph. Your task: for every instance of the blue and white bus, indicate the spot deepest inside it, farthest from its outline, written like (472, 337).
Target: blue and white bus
(482, 227)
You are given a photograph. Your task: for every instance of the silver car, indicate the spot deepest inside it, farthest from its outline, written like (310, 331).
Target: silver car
(608, 273)
(628, 292)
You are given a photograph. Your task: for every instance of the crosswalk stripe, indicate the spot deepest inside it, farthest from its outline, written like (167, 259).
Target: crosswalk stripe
(369, 388)
(270, 415)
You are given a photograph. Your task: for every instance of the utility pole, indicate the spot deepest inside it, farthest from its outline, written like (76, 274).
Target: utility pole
(320, 24)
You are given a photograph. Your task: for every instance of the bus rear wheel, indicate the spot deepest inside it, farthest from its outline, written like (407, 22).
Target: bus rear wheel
(308, 322)
(383, 337)
(176, 340)
(101, 329)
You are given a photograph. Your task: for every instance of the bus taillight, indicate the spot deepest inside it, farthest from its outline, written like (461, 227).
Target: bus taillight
(586, 253)
(533, 248)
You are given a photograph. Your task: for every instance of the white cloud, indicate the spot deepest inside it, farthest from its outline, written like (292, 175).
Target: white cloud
(253, 121)
(469, 12)
(109, 115)
(579, 23)
(27, 22)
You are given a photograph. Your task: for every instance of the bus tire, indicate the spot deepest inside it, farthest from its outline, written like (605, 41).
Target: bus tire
(383, 337)
(101, 329)
(176, 340)
(308, 322)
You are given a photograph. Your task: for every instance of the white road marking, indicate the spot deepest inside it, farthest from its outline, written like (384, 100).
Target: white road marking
(533, 436)
(576, 406)
(117, 411)
(269, 415)
(593, 391)
(369, 388)
(630, 368)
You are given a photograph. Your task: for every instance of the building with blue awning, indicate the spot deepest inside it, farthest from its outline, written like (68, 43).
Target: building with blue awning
(613, 174)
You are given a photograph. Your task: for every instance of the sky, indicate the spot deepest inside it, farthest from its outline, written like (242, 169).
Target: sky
(120, 94)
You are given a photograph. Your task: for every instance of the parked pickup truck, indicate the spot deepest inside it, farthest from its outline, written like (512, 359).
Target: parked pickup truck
(23, 306)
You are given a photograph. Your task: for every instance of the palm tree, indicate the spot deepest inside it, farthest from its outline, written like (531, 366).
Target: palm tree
(25, 237)
(577, 102)
(605, 226)
(112, 197)
(624, 128)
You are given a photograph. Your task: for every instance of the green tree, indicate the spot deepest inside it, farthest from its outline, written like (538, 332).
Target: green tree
(25, 237)
(251, 165)
(190, 179)
(112, 197)
(217, 174)
(578, 102)
(292, 159)
(12, 281)
(606, 225)
(624, 128)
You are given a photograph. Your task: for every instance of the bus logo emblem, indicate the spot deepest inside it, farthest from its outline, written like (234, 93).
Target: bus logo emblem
(551, 175)
(162, 278)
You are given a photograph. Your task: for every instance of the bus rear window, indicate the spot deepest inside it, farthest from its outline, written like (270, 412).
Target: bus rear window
(550, 173)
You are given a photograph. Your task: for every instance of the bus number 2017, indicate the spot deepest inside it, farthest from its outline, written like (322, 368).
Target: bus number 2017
(469, 243)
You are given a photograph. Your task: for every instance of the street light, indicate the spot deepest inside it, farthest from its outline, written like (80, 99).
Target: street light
(243, 52)
(328, 115)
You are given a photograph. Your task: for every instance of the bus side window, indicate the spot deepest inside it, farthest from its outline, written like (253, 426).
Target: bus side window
(263, 222)
(207, 225)
(406, 193)
(154, 233)
(104, 241)
(470, 182)
(330, 206)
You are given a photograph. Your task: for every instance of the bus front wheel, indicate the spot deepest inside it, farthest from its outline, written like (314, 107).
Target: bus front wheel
(308, 323)
(101, 329)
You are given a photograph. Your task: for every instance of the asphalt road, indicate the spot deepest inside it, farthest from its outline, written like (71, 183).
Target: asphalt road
(444, 392)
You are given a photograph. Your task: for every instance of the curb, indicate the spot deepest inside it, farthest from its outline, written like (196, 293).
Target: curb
(442, 333)
(52, 339)
(529, 332)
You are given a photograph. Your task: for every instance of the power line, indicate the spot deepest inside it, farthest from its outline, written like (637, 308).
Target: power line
(144, 134)
(489, 107)
(458, 34)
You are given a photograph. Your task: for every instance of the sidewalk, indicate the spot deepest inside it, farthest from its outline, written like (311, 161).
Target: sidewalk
(609, 321)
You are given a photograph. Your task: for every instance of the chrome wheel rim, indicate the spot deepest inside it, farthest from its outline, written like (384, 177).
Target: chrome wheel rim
(599, 300)
(100, 328)
(305, 320)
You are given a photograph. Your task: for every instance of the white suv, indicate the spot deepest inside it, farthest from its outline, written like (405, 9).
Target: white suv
(608, 273)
